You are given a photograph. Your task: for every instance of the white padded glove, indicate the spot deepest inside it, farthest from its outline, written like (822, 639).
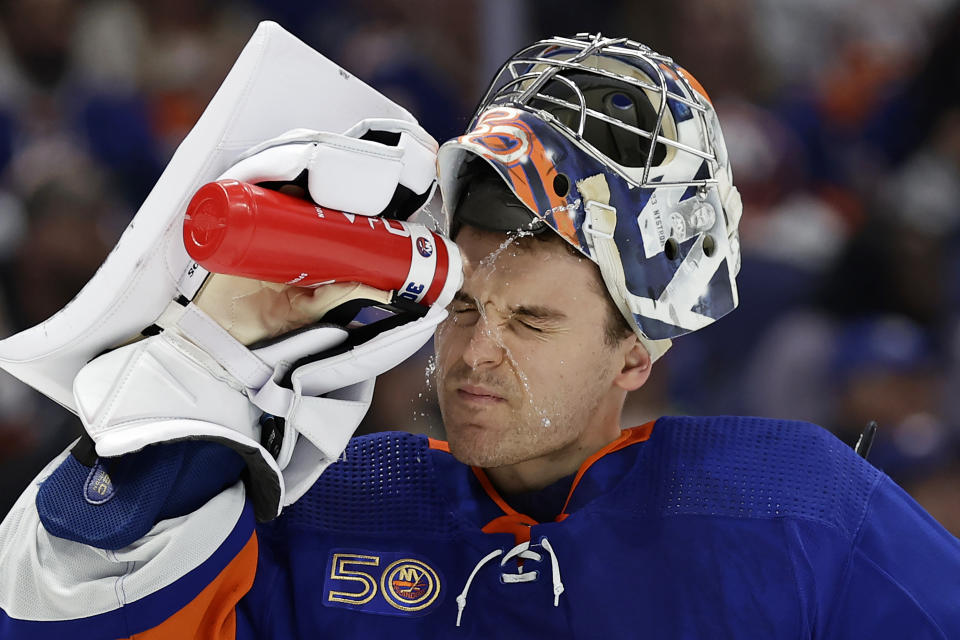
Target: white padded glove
(350, 171)
(196, 380)
(167, 388)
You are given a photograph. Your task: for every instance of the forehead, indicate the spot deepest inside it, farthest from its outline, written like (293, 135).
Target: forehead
(499, 269)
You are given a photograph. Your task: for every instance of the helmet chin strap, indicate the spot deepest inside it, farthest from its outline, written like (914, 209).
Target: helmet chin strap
(598, 230)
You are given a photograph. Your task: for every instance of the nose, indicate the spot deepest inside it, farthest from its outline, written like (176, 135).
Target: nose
(484, 348)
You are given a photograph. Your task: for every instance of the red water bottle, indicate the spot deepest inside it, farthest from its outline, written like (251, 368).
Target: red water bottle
(241, 229)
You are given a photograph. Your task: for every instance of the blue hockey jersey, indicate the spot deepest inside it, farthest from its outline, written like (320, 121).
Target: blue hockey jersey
(686, 528)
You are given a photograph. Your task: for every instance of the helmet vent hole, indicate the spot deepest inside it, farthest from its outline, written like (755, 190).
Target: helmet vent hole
(709, 246)
(561, 185)
(621, 101)
(671, 248)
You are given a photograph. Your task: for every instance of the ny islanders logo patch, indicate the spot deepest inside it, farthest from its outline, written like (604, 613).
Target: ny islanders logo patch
(98, 488)
(385, 583)
(410, 585)
(424, 247)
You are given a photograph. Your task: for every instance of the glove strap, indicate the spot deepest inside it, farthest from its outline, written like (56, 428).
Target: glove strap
(203, 331)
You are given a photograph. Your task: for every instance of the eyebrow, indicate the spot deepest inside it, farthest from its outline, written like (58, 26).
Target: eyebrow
(540, 312)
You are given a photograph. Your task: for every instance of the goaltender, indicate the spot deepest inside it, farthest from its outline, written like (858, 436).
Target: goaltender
(593, 203)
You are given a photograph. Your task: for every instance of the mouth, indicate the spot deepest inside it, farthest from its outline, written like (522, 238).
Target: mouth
(478, 395)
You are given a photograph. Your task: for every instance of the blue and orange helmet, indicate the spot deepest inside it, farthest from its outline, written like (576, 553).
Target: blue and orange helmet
(617, 149)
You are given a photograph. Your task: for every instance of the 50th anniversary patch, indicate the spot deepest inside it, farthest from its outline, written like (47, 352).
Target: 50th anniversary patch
(396, 584)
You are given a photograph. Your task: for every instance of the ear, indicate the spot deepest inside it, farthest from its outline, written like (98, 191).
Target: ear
(636, 366)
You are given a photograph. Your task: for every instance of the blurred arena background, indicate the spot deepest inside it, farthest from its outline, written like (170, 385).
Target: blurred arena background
(842, 118)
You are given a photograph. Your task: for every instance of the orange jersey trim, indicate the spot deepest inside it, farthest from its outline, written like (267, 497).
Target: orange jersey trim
(440, 445)
(212, 614)
(519, 523)
(627, 438)
(512, 521)
(494, 495)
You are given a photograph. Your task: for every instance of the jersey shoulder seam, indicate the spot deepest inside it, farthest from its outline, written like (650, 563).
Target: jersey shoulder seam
(845, 577)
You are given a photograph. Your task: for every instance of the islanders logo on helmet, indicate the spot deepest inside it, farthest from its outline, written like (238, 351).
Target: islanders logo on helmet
(507, 137)
(619, 150)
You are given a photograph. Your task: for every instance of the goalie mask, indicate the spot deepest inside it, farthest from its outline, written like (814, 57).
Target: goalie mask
(618, 149)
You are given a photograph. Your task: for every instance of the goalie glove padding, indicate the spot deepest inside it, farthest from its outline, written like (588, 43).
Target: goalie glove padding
(195, 382)
(165, 389)
(391, 173)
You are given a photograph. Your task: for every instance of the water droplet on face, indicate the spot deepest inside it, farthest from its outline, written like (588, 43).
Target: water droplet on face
(540, 412)
(492, 331)
(430, 371)
(491, 259)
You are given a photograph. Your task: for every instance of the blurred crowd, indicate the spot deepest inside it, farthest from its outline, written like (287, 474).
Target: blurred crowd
(842, 118)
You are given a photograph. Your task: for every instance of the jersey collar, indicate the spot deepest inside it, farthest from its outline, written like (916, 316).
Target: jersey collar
(596, 475)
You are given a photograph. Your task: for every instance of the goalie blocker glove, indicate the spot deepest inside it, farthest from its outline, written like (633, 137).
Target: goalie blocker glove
(286, 409)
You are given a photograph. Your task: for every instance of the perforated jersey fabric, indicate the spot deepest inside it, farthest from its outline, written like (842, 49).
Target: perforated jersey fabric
(726, 466)
(720, 527)
(382, 484)
(747, 468)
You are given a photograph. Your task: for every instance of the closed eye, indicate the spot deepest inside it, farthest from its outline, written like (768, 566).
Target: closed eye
(464, 315)
(531, 327)
(459, 309)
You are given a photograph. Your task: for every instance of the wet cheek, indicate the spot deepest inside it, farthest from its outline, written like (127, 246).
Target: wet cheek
(440, 347)
(448, 344)
(560, 372)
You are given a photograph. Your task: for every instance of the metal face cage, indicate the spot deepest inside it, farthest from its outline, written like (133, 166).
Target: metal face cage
(522, 80)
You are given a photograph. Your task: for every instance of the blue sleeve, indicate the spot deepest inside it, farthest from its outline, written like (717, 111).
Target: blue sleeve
(902, 579)
(184, 578)
(110, 503)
